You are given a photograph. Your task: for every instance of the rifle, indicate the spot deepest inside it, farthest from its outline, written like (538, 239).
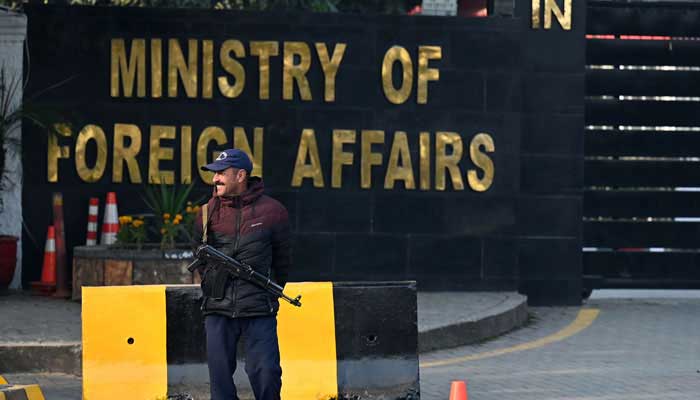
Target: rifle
(241, 270)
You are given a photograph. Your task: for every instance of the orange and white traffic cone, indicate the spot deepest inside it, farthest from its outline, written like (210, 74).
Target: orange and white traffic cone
(458, 390)
(48, 271)
(93, 209)
(110, 224)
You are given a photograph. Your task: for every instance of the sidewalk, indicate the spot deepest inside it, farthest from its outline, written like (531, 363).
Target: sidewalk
(44, 334)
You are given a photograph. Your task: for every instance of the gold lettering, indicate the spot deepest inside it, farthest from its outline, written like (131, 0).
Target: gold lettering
(240, 141)
(156, 68)
(564, 19)
(368, 158)
(400, 54)
(482, 161)
(55, 151)
(185, 154)
(535, 14)
(330, 67)
(132, 70)
(424, 161)
(444, 161)
(207, 68)
(307, 149)
(233, 67)
(158, 153)
(187, 71)
(296, 71)
(425, 74)
(404, 171)
(126, 154)
(209, 134)
(340, 157)
(264, 50)
(87, 174)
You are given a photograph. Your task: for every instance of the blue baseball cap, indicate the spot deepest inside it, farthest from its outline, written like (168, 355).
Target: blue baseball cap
(230, 158)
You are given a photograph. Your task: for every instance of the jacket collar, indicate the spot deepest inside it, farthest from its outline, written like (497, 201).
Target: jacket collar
(254, 191)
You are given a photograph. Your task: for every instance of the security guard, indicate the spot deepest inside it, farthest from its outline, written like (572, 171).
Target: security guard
(253, 228)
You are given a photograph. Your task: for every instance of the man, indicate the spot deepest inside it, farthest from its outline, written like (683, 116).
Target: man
(253, 228)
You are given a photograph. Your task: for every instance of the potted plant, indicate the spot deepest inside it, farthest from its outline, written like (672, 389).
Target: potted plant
(13, 110)
(174, 214)
(151, 248)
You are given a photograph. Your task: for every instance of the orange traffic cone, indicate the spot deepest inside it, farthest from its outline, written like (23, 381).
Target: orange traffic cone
(458, 390)
(48, 271)
(110, 225)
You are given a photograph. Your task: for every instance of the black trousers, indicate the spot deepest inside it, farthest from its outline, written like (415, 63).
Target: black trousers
(262, 357)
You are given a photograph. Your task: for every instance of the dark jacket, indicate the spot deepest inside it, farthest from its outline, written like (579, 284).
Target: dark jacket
(254, 229)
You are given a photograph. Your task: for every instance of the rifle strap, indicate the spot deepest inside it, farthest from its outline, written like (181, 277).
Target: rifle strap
(204, 223)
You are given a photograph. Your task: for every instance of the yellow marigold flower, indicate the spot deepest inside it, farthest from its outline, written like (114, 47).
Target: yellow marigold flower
(176, 222)
(196, 208)
(178, 216)
(128, 218)
(188, 209)
(166, 216)
(137, 223)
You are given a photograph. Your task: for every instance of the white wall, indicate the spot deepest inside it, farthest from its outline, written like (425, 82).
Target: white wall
(13, 29)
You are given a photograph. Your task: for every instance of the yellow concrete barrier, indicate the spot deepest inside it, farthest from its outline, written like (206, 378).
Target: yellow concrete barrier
(24, 392)
(148, 341)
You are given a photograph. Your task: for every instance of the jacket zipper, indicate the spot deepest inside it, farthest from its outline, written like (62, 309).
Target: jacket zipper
(269, 303)
(235, 250)
(238, 229)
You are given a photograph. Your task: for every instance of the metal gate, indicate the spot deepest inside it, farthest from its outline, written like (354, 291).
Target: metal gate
(641, 223)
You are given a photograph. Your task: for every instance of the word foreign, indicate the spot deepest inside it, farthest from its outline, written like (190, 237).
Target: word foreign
(422, 160)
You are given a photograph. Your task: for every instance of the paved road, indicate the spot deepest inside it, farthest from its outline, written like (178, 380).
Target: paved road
(646, 347)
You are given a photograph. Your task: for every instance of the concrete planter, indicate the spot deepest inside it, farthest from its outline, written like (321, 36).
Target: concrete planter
(118, 266)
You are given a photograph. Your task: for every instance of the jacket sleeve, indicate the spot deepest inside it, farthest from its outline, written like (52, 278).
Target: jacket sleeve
(281, 257)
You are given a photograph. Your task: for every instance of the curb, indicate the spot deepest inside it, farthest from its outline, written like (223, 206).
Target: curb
(506, 316)
(66, 357)
(41, 357)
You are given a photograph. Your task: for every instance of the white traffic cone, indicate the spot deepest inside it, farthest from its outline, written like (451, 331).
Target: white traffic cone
(110, 224)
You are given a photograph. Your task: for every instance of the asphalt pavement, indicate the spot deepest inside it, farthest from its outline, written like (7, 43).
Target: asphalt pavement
(621, 345)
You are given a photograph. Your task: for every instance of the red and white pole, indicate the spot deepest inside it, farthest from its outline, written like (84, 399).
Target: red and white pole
(93, 210)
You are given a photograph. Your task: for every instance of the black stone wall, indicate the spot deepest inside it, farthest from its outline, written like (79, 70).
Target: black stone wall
(523, 87)
(551, 159)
